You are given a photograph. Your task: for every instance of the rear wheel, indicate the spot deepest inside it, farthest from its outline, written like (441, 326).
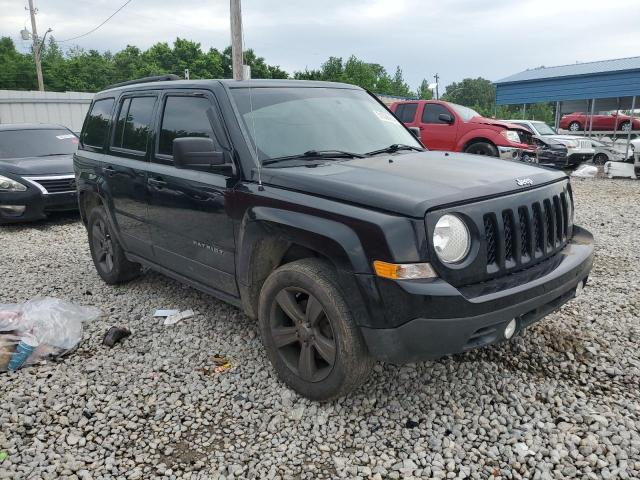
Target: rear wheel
(625, 126)
(574, 127)
(482, 148)
(106, 252)
(309, 333)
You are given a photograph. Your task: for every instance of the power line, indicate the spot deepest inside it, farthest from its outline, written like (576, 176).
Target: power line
(91, 31)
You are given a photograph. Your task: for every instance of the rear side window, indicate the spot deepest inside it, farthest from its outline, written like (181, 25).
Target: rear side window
(184, 117)
(134, 123)
(406, 112)
(97, 123)
(432, 111)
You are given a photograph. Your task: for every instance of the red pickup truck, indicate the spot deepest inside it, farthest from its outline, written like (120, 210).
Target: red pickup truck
(452, 127)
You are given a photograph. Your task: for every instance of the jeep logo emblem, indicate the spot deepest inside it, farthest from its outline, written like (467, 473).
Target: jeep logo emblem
(524, 182)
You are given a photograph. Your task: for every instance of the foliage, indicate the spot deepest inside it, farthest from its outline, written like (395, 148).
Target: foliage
(371, 76)
(90, 71)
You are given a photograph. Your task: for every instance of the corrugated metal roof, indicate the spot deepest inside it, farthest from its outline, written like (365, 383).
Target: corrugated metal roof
(602, 66)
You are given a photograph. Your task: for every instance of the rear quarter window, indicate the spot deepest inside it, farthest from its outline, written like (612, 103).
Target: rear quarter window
(97, 123)
(406, 112)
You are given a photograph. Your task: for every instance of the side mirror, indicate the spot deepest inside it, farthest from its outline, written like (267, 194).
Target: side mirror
(415, 131)
(196, 153)
(446, 118)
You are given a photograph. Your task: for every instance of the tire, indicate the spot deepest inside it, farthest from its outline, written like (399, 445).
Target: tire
(482, 148)
(107, 253)
(309, 333)
(575, 127)
(625, 126)
(600, 159)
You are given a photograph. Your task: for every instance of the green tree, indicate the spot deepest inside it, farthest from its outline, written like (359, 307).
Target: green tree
(424, 93)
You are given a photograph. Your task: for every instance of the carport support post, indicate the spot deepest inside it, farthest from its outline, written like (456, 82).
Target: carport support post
(556, 122)
(593, 109)
(633, 106)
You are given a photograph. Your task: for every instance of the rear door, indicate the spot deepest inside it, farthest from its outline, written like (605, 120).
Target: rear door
(125, 169)
(191, 228)
(435, 133)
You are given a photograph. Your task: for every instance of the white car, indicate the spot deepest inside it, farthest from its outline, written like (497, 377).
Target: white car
(610, 152)
(579, 149)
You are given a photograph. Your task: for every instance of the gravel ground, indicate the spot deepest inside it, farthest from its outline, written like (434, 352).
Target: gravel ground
(561, 402)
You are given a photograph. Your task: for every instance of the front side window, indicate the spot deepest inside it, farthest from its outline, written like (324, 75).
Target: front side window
(293, 120)
(184, 117)
(134, 123)
(97, 123)
(431, 113)
(37, 142)
(406, 112)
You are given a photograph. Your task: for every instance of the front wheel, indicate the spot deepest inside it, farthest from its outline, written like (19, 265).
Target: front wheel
(574, 127)
(482, 148)
(600, 159)
(309, 333)
(625, 126)
(106, 252)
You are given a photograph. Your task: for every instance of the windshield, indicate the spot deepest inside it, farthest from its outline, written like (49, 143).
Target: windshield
(36, 143)
(543, 129)
(290, 121)
(465, 112)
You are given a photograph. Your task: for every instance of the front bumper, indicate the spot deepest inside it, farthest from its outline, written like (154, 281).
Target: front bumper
(455, 320)
(579, 155)
(37, 204)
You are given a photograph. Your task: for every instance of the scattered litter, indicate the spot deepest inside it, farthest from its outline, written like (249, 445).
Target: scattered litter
(40, 329)
(619, 169)
(220, 364)
(585, 171)
(175, 318)
(114, 335)
(3, 456)
(165, 313)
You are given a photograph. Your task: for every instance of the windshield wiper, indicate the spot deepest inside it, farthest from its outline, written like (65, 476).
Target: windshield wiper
(315, 154)
(395, 147)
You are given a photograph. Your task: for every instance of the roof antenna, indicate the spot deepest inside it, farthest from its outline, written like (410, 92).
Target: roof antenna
(255, 140)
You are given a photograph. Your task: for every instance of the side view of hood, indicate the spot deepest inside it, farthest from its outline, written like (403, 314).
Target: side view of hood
(50, 165)
(499, 124)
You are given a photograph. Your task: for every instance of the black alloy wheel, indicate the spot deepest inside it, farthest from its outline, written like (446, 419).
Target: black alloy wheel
(102, 245)
(302, 334)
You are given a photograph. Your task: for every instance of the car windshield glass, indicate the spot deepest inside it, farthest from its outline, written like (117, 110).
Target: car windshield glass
(289, 121)
(543, 129)
(36, 143)
(465, 112)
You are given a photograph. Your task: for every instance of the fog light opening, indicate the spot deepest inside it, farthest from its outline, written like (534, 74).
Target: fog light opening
(13, 210)
(510, 329)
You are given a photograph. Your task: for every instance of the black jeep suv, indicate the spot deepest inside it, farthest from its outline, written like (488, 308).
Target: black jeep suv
(312, 208)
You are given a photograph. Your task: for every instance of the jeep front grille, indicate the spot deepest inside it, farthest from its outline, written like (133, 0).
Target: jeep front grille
(515, 242)
(513, 232)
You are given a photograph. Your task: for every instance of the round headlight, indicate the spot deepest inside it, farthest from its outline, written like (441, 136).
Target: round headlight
(451, 239)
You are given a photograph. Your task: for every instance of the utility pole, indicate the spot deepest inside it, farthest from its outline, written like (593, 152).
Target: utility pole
(236, 40)
(437, 78)
(36, 48)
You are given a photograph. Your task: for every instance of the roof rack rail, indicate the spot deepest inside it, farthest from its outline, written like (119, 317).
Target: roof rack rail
(157, 78)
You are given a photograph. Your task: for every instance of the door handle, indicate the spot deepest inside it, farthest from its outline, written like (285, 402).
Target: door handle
(156, 182)
(110, 171)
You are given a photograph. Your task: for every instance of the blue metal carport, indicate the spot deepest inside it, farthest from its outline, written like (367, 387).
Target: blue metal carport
(611, 84)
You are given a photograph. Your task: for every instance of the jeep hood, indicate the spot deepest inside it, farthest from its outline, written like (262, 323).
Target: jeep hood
(50, 165)
(410, 183)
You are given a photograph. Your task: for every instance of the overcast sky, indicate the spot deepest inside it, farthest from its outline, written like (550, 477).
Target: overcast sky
(455, 38)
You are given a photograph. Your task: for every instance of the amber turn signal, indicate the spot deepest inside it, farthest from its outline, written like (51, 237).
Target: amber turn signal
(403, 271)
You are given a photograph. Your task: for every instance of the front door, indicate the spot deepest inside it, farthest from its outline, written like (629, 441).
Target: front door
(125, 169)
(435, 133)
(191, 228)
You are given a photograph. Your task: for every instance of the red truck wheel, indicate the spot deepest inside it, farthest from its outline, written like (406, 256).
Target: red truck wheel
(482, 148)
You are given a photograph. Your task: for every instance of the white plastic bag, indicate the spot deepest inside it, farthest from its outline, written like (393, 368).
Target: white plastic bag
(585, 171)
(41, 328)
